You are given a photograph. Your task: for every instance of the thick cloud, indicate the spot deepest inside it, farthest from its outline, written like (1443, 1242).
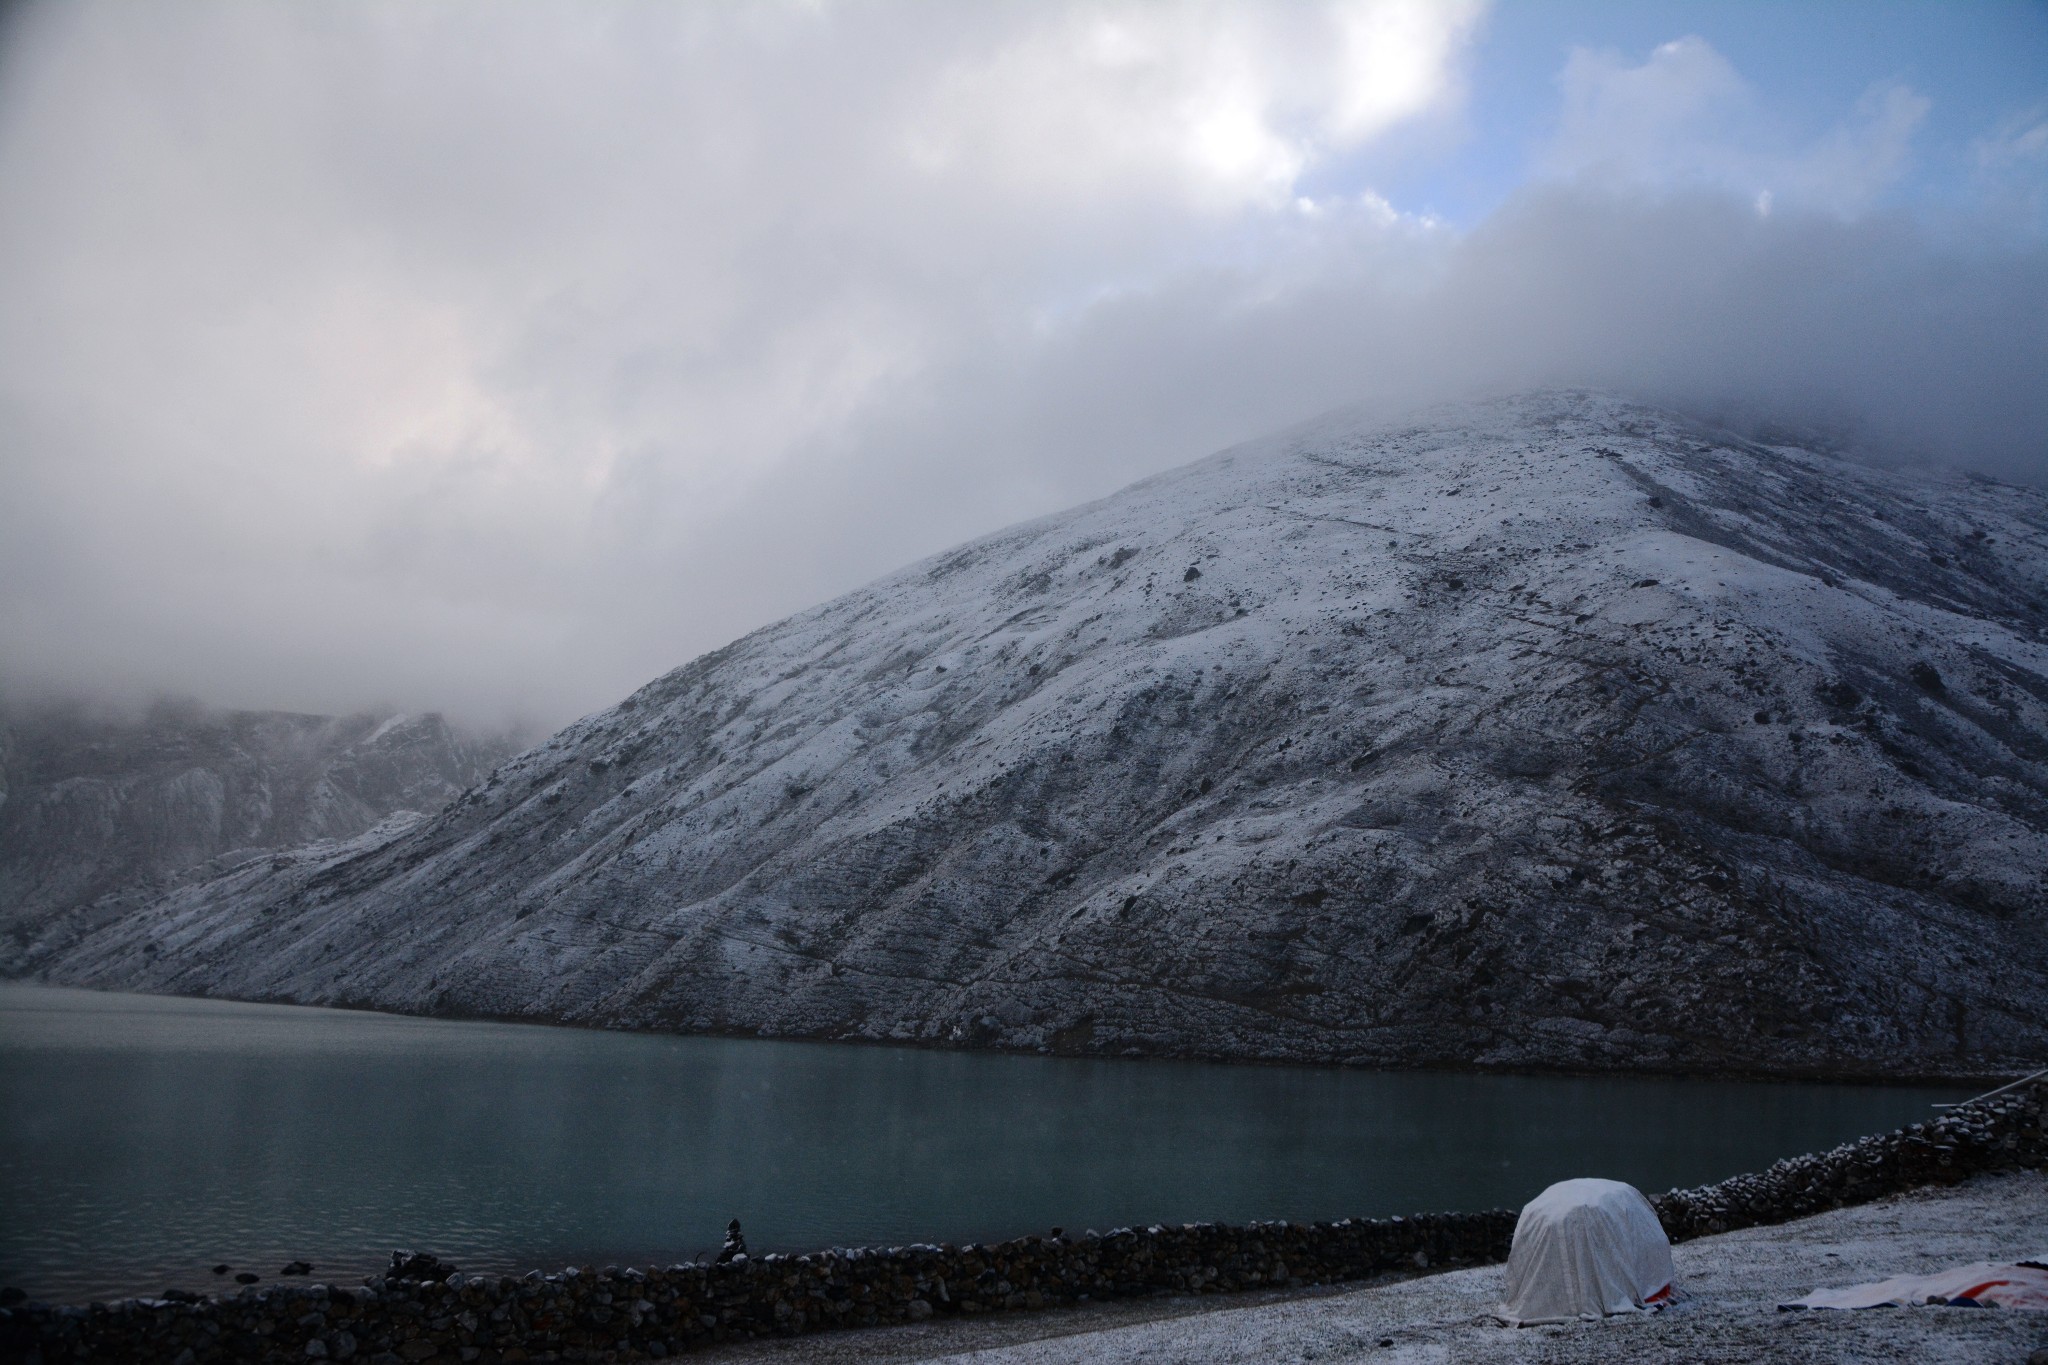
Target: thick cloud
(500, 357)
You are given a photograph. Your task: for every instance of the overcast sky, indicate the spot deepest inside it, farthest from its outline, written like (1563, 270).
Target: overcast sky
(497, 357)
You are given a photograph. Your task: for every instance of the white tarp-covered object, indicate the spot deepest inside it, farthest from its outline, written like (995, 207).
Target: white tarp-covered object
(1584, 1249)
(1998, 1284)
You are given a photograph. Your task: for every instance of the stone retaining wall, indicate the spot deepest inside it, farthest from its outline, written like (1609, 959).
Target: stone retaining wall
(618, 1315)
(2002, 1133)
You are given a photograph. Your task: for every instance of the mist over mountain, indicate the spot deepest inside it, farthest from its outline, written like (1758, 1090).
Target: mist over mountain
(1549, 731)
(491, 360)
(93, 801)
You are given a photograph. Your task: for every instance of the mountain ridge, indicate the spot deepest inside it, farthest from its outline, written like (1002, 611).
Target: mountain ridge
(1554, 731)
(97, 804)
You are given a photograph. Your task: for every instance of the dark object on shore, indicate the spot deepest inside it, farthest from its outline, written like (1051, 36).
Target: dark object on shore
(297, 1268)
(180, 1296)
(735, 1248)
(222, 1269)
(11, 1296)
(417, 1265)
(247, 1278)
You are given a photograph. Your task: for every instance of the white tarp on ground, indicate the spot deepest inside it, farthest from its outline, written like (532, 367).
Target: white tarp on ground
(2007, 1284)
(1583, 1249)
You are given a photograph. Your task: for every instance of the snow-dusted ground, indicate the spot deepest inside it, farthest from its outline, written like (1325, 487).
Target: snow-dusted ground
(1735, 1282)
(1548, 731)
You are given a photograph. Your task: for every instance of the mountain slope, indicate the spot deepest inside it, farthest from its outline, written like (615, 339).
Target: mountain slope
(90, 805)
(1552, 731)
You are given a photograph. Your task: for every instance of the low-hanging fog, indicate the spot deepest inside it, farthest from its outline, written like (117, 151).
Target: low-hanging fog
(497, 358)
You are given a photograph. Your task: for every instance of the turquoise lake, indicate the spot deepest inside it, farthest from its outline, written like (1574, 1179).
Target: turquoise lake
(145, 1139)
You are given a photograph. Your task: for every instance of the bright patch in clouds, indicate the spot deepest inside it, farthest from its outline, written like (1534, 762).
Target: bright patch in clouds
(1224, 104)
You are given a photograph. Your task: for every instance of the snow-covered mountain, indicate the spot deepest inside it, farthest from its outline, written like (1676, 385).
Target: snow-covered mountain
(1549, 731)
(90, 804)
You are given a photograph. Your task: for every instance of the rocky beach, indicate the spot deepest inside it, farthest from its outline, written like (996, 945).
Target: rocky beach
(423, 1310)
(1734, 1282)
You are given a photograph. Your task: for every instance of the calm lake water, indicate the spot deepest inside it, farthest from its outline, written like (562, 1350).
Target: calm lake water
(144, 1139)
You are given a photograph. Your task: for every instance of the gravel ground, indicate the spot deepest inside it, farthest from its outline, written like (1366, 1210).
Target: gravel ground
(1734, 1282)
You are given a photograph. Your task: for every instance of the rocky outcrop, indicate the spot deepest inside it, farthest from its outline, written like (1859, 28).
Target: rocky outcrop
(91, 805)
(1549, 732)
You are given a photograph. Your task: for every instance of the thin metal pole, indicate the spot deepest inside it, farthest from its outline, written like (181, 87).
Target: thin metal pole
(2000, 1091)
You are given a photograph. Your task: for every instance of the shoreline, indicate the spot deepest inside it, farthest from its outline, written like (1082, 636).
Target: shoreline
(612, 1314)
(1733, 1284)
(1877, 1074)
